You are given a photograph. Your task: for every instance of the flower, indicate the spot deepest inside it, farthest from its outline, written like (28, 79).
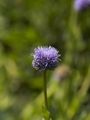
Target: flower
(81, 4)
(45, 58)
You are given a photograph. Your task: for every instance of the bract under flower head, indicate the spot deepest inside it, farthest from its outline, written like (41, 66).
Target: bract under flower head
(45, 58)
(80, 5)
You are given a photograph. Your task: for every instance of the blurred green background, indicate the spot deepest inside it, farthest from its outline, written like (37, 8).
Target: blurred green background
(26, 24)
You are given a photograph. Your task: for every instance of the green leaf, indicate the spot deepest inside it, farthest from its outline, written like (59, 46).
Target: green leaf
(45, 113)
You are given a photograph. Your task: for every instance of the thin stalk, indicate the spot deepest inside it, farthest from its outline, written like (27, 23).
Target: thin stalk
(45, 89)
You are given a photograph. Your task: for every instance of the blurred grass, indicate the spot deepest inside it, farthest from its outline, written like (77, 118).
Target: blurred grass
(25, 25)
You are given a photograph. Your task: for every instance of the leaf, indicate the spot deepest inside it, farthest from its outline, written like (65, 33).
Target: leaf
(45, 113)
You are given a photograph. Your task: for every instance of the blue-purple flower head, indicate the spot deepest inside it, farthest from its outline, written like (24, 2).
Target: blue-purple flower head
(45, 58)
(80, 5)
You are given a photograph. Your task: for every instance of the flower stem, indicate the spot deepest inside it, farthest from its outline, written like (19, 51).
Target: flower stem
(45, 90)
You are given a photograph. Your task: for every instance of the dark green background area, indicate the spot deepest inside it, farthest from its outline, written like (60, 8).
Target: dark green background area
(26, 24)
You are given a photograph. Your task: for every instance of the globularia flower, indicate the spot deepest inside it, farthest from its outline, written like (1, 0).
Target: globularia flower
(45, 58)
(80, 5)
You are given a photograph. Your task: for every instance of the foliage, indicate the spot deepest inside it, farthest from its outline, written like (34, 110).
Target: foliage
(26, 24)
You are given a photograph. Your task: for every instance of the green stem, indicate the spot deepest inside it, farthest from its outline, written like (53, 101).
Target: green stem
(45, 89)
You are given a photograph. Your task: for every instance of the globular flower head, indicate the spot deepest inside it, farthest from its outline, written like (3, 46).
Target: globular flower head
(80, 5)
(45, 58)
